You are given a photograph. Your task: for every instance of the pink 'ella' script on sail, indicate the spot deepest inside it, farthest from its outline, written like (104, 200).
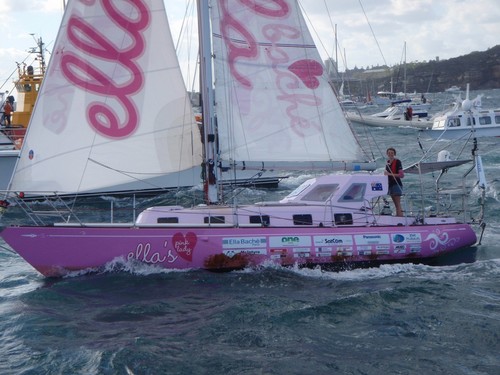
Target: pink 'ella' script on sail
(88, 41)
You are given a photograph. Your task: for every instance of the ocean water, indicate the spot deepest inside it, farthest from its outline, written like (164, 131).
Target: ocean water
(134, 319)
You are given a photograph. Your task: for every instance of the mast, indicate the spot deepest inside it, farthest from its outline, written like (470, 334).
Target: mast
(336, 54)
(39, 51)
(404, 71)
(207, 97)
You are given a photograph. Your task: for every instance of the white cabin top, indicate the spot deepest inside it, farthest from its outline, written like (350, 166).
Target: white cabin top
(348, 198)
(339, 188)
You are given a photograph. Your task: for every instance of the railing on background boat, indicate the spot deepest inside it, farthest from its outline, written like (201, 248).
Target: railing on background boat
(15, 134)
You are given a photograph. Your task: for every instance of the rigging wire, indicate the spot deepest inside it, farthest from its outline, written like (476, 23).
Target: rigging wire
(373, 33)
(369, 136)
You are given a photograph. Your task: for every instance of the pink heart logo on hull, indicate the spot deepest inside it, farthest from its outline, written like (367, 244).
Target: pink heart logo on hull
(184, 245)
(307, 71)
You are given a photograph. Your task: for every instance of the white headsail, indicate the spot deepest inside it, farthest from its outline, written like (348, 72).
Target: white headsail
(113, 108)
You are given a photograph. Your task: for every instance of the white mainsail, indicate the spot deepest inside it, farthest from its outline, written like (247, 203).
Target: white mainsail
(275, 106)
(113, 112)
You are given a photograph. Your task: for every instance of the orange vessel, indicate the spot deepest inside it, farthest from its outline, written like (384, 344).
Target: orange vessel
(27, 86)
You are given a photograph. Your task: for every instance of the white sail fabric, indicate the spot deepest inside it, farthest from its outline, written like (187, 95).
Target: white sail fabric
(274, 101)
(113, 112)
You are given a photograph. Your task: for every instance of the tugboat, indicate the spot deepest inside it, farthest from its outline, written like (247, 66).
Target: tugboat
(11, 136)
(27, 86)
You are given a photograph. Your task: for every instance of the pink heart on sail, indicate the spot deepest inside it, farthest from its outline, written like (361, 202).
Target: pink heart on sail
(184, 245)
(307, 71)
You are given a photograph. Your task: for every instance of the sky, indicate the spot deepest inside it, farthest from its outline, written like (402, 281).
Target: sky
(369, 32)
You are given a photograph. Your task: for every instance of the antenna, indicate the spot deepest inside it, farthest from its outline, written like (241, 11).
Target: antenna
(39, 50)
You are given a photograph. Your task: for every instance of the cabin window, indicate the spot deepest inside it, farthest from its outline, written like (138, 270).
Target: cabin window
(343, 219)
(355, 193)
(300, 189)
(471, 121)
(486, 120)
(321, 193)
(453, 122)
(497, 119)
(167, 220)
(214, 220)
(303, 219)
(260, 219)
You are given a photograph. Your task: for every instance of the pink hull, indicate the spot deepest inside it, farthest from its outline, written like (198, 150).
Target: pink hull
(54, 251)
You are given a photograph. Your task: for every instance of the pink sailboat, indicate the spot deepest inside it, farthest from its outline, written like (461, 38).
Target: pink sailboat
(100, 104)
